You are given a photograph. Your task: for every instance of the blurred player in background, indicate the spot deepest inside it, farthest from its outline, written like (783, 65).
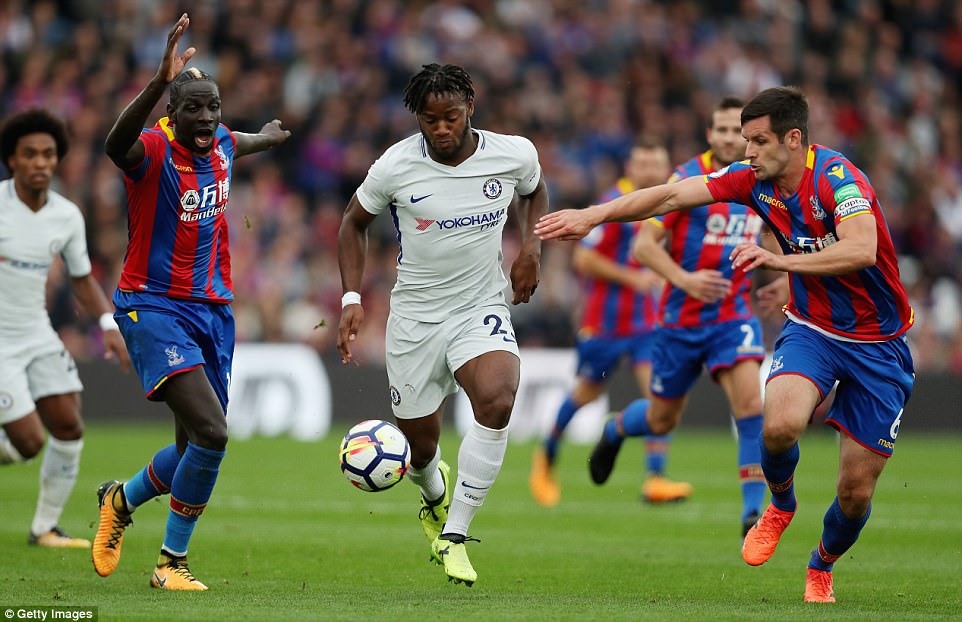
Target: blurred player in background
(173, 299)
(448, 189)
(847, 317)
(617, 318)
(39, 385)
(705, 320)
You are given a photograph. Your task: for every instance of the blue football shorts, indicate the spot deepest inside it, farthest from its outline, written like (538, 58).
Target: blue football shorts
(874, 381)
(599, 357)
(680, 354)
(166, 337)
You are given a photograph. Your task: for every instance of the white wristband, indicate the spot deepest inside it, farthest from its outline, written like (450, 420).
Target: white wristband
(107, 322)
(350, 298)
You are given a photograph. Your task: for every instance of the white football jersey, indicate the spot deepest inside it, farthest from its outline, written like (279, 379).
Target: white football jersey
(29, 241)
(449, 220)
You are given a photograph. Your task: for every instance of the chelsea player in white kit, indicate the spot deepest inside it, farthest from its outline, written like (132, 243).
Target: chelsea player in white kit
(39, 385)
(448, 189)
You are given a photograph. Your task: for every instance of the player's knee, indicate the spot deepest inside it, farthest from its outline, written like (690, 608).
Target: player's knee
(213, 436)
(60, 415)
(496, 411)
(854, 498)
(664, 415)
(68, 430)
(29, 446)
(662, 425)
(745, 406)
(780, 434)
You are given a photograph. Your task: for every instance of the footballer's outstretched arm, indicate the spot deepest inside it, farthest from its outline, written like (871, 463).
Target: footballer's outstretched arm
(574, 224)
(123, 146)
(270, 135)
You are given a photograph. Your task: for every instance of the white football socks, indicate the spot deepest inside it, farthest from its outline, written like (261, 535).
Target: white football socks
(428, 478)
(58, 474)
(479, 461)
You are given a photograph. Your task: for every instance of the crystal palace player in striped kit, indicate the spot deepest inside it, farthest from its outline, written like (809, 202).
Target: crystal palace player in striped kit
(617, 319)
(847, 316)
(173, 299)
(705, 321)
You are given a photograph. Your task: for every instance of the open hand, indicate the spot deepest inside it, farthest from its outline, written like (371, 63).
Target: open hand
(566, 224)
(173, 63)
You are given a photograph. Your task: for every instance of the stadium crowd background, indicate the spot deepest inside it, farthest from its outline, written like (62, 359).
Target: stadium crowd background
(578, 77)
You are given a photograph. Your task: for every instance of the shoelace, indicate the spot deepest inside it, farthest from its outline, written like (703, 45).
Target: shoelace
(770, 527)
(459, 539)
(428, 507)
(121, 521)
(117, 529)
(179, 567)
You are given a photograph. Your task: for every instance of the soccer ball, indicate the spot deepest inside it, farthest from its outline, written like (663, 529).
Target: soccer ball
(374, 455)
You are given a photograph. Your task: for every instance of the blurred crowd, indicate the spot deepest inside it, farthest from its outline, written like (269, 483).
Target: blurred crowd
(580, 78)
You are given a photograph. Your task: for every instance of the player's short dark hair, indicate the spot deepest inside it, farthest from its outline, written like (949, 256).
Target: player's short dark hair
(191, 74)
(31, 122)
(437, 79)
(648, 141)
(785, 107)
(728, 102)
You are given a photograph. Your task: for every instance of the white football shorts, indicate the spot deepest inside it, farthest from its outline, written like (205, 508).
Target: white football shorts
(422, 357)
(33, 368)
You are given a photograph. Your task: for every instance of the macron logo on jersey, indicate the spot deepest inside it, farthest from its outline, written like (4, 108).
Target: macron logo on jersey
(484, 221)
(764, 198)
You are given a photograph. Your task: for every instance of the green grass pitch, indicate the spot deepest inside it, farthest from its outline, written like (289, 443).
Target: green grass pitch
(286, 538)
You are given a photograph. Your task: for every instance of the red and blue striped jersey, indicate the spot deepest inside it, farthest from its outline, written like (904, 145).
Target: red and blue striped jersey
(866, 305)
(702, 238)
(611, 309)
(178, 242)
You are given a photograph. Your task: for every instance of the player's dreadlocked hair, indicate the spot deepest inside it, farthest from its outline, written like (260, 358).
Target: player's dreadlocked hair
(188, 75)
(437, 79)
(33, 121)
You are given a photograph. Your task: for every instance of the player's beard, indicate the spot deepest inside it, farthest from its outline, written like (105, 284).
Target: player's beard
(728, 156)
(451, 151)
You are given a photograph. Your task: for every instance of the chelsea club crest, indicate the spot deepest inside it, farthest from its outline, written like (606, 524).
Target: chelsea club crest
(492, 188)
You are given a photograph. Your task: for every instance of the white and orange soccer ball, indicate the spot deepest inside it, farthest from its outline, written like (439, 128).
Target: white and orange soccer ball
(374, 455)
